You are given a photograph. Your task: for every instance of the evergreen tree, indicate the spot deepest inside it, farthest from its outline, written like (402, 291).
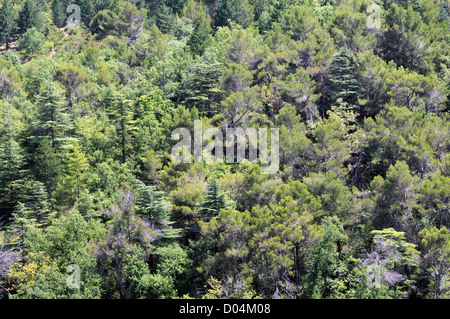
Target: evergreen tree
(407, 39)
(121, 115)
(214, 201)
(34, 208)
(53, 120)
(329, 267)
(47, 165)
(199, 39)
(12, 162)
(72, 78)
(122, 19)
(237, 11)
(31, 41)
(30, 15)
(129, 236)
(199, 86)
(71, 181)
(90, 8)
(343, 79)
(75, 166)
(165, 19)
(152, 204)
(437, 259)
(59, 13)
(444, 15)
(8, 23)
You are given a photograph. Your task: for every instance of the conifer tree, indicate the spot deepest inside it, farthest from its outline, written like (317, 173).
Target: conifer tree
(76, 165)
(121, 115)
(165, 19)
(8, 23)
(72, 78)
(34, 208)
(47, 165)
(199, 86)
(59, 13)
(12, 162)
(343, 79)
(152, 204)
(199, 39)
(214, 201)
(30, 15)
(53, 120)
(238, 11)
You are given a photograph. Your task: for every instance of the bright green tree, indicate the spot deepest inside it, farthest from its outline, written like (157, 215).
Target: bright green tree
(437, 258)
(31, 41)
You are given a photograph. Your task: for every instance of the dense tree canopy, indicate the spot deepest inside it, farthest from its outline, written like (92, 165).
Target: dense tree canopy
(93, 206)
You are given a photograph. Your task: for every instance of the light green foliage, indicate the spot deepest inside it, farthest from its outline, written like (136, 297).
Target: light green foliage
(31, 41)
(65, 242)
(348, 26)
(72, 182)
(437, 242)
(359, 207)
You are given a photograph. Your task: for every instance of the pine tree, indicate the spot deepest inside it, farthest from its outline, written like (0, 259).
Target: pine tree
(152, 204)
(8, 22)
(121, 115)
(329, 266)
(343, 79)
(53, 120)
(444, 16)
(199, 38)
(59, 13)
(238, 11)
(34, 208)
(165, 19)
(12, 163)
(199, 87)
(407, 39)
(214, 201)
(129, 235)
(30, 15)
(72, 78)
(47, 165)
(76, 165)
(122, 19)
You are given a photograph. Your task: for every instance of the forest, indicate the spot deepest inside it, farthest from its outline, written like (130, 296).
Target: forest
(92, 206)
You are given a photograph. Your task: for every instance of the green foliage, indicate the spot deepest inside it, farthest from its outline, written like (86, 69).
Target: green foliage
(31, 15)
(8, 23)
(31, 41)
(237, 11)
(359, 207)
(122, 19)
(343, 79)
(214, 201)
(437, 243)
